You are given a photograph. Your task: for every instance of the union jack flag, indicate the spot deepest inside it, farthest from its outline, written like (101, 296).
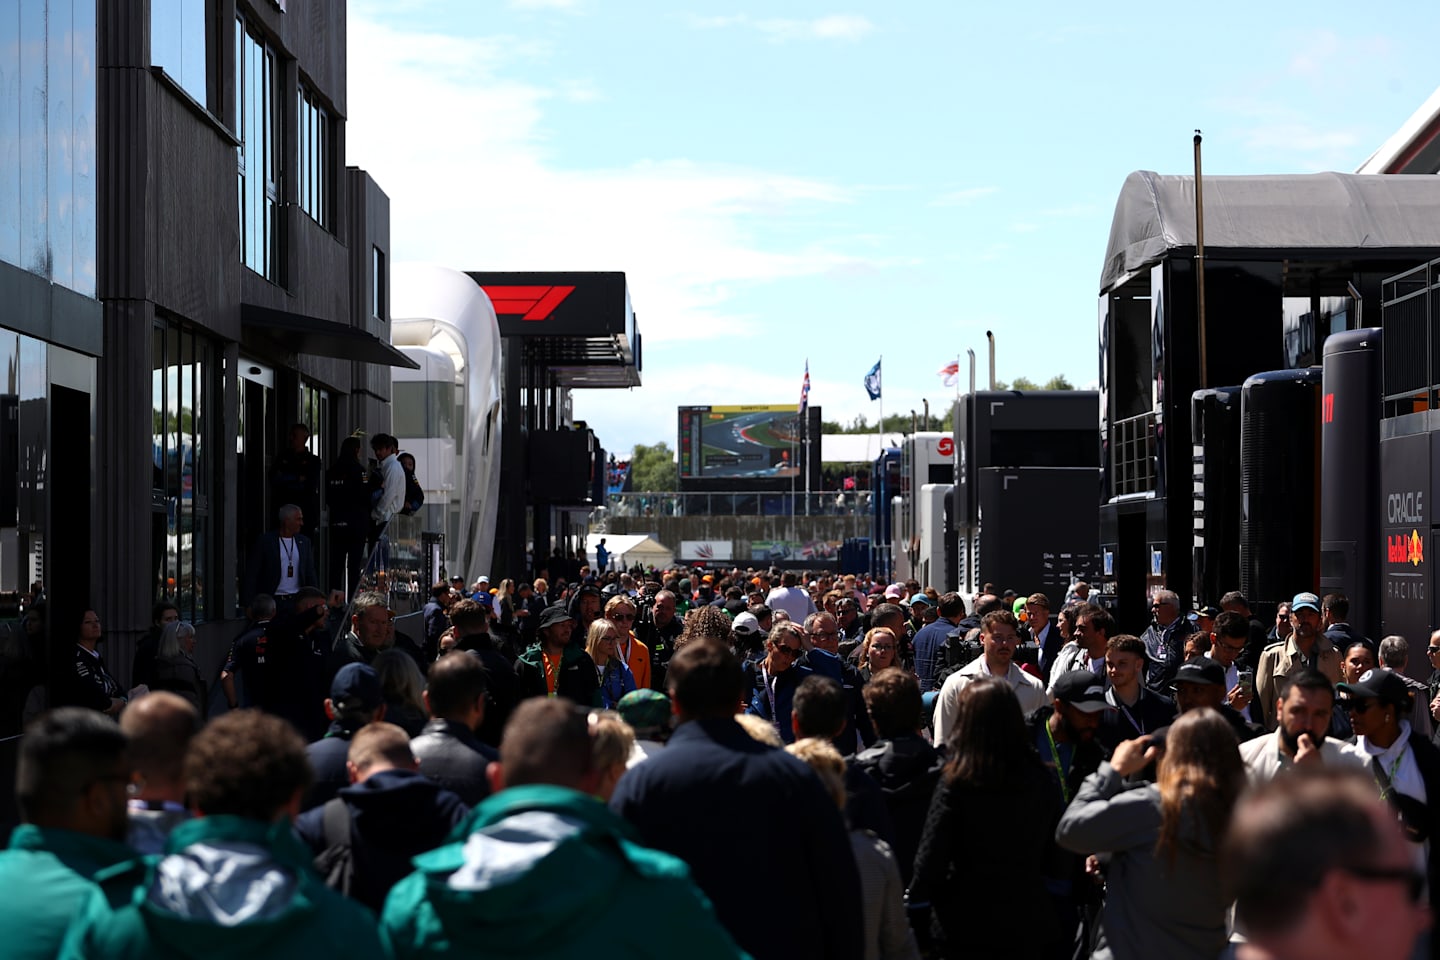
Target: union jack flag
(805, 391)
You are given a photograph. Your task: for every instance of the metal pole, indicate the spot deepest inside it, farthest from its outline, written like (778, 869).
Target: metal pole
(1200, 260)
(972, 372)
(991, 337)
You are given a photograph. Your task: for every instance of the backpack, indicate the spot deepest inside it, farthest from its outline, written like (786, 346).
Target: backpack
(956, 653)
(336, 863)
(414, 496)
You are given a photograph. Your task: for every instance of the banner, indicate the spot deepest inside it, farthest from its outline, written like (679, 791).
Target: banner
(706, 550)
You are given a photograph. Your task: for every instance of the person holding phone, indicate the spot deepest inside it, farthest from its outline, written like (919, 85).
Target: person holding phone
(1232, 631)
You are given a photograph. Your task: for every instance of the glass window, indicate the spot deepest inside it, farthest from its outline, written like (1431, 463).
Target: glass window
(377, 283)
(177, 42)
(422, 410)
(255, 126)
(316, 160)
(185, 377)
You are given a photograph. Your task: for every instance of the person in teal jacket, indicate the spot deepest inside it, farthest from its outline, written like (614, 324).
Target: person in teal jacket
(70, 786)
(505, 887)
(234, 882)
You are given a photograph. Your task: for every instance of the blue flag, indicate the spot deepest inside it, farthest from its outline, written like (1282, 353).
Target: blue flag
(872, 381)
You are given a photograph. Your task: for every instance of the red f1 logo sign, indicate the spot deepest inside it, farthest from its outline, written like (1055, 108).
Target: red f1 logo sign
(528, 303)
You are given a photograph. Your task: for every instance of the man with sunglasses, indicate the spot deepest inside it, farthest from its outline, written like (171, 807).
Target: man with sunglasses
(1306, 647)
(1320, 871)
(771, 682)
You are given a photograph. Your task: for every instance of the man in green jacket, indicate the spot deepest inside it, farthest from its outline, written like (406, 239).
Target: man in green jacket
(508, 887)
(233, 882)
(70, 787)
(555, 667)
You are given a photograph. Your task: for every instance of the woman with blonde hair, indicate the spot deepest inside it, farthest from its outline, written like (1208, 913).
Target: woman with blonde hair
(1164, 895)
(611, 742)
(879, 650)
(887, 929)
(616, 680)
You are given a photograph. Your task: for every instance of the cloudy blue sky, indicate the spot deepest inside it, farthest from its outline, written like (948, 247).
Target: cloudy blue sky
(837, 181)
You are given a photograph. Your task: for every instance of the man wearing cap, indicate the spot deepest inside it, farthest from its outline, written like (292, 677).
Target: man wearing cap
(555, 667)
(356, 698)
(930, 639)
(749, 638)
(649, 714)
(852, 626)
(1201, 683)
(1306, 646)
(1304, 706)
(1064, 734)
(793, 599)
(584, 609)
(999, 633)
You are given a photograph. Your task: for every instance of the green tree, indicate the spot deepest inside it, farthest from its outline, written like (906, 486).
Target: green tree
(1023, 383)
(1058, 382)
(653, 469)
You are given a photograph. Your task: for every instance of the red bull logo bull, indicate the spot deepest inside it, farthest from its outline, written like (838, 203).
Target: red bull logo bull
(1406, 548)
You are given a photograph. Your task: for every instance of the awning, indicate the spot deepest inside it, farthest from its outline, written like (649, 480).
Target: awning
(297, 333)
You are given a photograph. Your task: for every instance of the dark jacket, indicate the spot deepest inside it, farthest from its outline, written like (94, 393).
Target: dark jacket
(435, 623)
(963, 851)
(741, 813)
(142, 667)
(87, 683)
(906, 769)
(262, 566)
(1344, 634)
(502, 685)
(181, 675)
(785, 683)
(928, 641)
(348, 495)
(394, 815)
(1152, 711)
(1064, 871)
(577, 680)
(858, 730)
(450, 755)
(327, 761)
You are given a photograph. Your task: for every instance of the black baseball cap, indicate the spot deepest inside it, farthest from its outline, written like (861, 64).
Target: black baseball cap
(1083, 690)
(1202, 670)
(1380, 684)
(356, 687)
(553, 614)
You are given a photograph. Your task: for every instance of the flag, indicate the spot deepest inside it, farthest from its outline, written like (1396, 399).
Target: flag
(951, 372)
(872, 381)
(805, 391)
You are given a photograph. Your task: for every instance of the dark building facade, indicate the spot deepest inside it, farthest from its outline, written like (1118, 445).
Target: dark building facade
(240, 270)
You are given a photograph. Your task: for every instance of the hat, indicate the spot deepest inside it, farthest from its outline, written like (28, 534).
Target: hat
(920, 599)
(685, 585)
(482, 579)
(1083, 690)
(1018, 607)
(707, 579)
(1303, 600)
(894, 591)
(645, 709)
(1201, 670)
(356, 687)
(735, 607)
(1379, 684)
(553, 614)
(1211, 612)
(746, 625)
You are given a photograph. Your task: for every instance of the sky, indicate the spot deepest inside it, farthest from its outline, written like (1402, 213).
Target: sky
(791, 181)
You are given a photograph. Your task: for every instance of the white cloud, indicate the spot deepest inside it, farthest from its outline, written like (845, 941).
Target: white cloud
(965, 197)
(463, 152)
(835, 26)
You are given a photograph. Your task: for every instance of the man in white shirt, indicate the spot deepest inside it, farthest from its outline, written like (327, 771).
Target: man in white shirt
(392, 493)
(1303, 710)
(793, 599)
(1093, 629)
(999, 633)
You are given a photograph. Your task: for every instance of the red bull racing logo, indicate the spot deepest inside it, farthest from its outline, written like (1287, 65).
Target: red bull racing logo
(1403, 548)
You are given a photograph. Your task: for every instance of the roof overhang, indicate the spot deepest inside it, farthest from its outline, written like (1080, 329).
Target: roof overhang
(578, 326)
(297, 333)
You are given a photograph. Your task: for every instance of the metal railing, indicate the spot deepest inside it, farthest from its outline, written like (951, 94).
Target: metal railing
(849, 503)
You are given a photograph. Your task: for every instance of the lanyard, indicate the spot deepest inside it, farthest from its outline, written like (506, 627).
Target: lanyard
(1388, 786)
(770, 692)
(1064, 773)
(552, 677)
(1140, 726)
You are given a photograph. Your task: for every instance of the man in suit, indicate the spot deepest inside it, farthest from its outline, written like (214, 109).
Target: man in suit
(282, 562)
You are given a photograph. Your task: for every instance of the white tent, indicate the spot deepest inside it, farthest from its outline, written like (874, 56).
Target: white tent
(628, 549)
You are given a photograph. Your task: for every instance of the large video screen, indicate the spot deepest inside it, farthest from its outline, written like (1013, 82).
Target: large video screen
(746, 446)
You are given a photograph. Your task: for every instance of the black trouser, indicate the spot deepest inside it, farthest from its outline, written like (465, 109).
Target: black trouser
(347, 555)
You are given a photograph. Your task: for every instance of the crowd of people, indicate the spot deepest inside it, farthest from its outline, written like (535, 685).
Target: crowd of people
(727, 763)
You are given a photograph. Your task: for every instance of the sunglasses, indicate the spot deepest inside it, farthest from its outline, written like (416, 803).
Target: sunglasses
(882, 646)
(1414, 880)
(791, 652)
(1432, 650)
(621, 617)
(1359, 705)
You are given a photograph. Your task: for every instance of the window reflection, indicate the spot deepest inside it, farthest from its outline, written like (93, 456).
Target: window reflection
(177, 42)
(315, 159)
(182, 382)
(257, 153)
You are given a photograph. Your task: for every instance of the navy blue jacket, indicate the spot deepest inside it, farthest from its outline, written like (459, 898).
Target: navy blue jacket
(785, 683)
(741, 813)
(394, 815)
(927, 644)
(327, 759)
